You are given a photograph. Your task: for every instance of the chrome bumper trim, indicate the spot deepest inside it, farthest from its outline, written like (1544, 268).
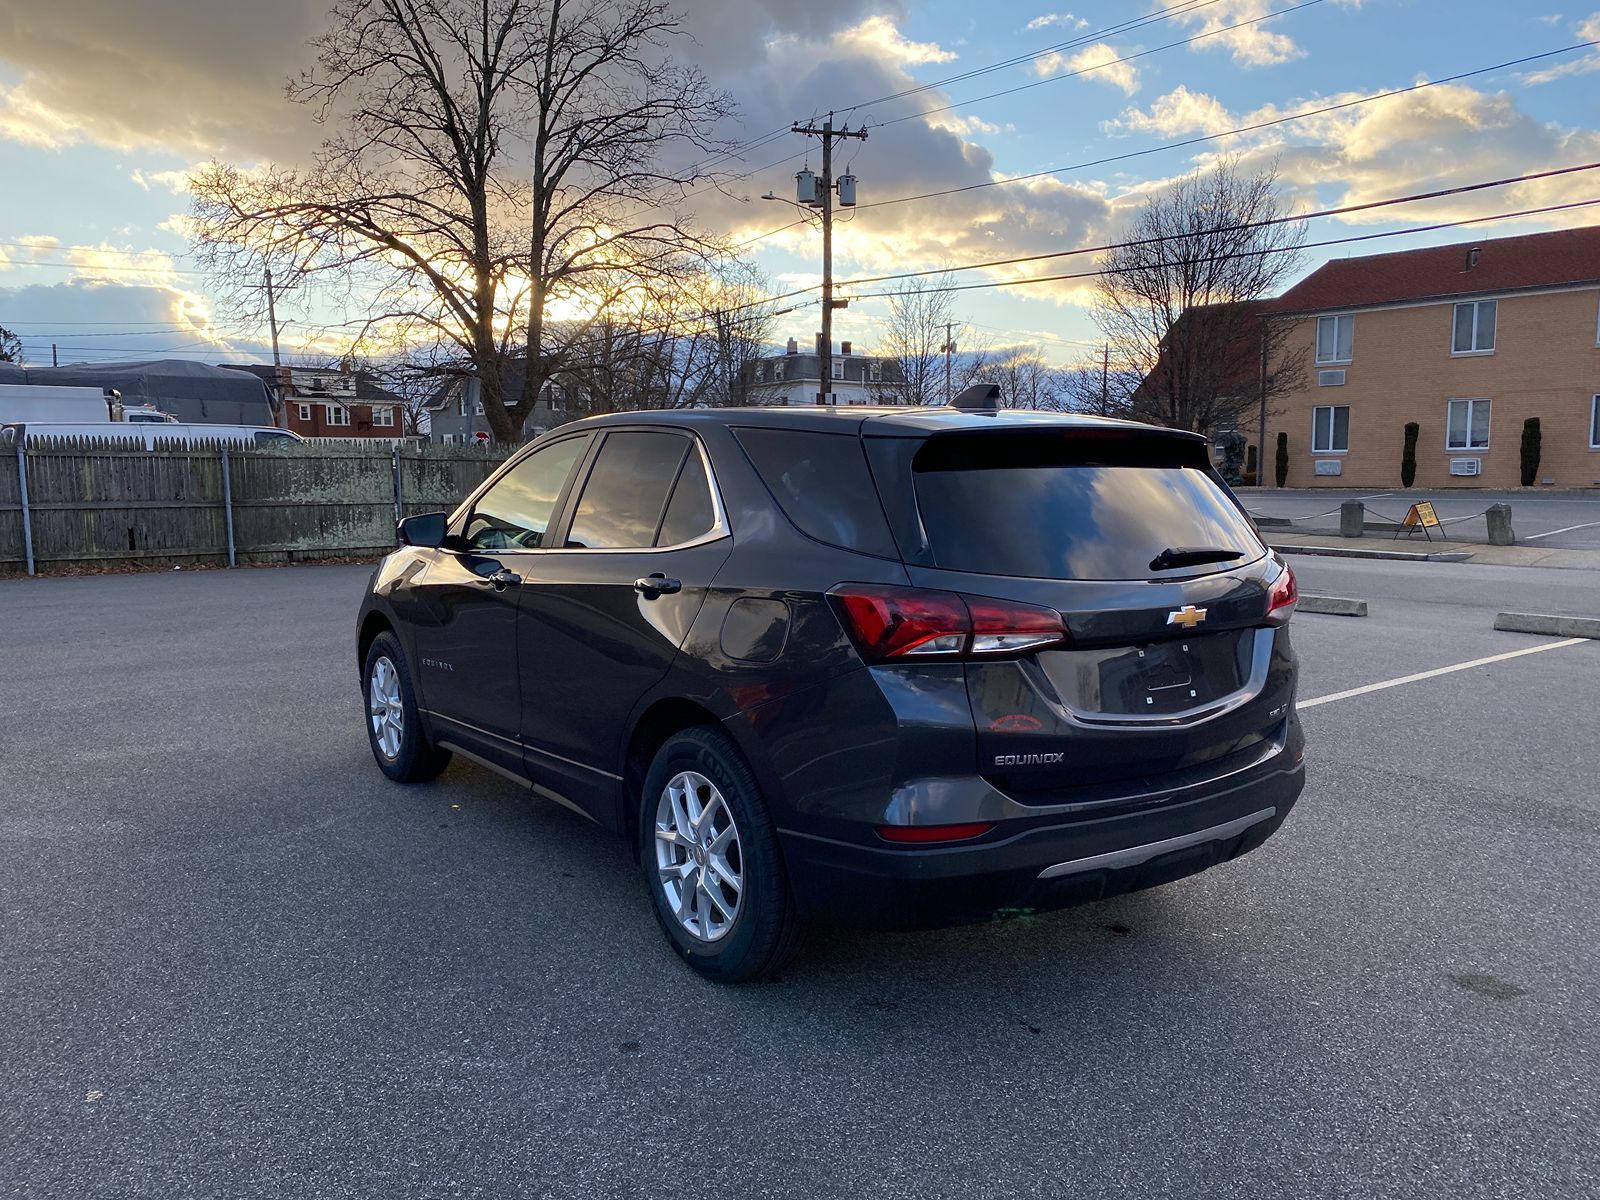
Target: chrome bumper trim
(1134, 855)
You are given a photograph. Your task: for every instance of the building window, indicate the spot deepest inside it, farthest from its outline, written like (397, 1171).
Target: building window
(447, 439)
(1469, 425)
(875, 372)
(1330, 429)
(383, 415)
(1594, 423)
(305, 412)
(838, 369)
(1335, 338)
(477, 408)
(777, 369)
(1474, 328)
(338, 414)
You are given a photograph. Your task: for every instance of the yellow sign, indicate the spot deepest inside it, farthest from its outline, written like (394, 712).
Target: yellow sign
(1421, 514)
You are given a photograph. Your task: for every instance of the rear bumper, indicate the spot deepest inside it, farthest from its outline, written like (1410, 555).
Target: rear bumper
(1011, 870)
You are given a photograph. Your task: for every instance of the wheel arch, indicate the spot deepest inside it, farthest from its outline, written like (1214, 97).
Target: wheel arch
(374, 623)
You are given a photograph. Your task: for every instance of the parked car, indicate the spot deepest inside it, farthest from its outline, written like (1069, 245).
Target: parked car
(895, 668)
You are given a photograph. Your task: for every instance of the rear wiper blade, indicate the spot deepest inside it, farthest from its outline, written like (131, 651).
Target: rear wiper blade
(1192, 556)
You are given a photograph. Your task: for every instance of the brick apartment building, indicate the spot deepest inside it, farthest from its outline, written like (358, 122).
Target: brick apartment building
(1468, 341)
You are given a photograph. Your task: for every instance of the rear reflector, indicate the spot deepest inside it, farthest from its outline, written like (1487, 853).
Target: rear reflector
(890, 623)
(1284, 596)
(920, 835)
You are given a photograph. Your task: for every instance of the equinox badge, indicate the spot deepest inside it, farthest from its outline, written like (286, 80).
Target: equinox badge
(1188, 616)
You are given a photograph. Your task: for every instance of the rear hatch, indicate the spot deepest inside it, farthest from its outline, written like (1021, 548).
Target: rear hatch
(1168, 666)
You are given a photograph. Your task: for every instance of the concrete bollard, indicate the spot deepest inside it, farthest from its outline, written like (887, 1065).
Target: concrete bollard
(1352, 518)
(1499, 519)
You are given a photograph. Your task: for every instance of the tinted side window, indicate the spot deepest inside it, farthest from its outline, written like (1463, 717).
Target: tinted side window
(627, 490)
(516, 511)
(689, 512)
(822, 483)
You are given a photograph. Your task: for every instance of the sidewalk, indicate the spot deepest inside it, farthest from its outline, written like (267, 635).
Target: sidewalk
(1416, 549)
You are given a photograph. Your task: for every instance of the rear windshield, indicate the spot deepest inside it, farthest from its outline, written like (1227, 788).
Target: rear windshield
(1068, 513)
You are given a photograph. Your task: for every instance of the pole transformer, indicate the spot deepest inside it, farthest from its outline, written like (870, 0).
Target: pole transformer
(818, 193)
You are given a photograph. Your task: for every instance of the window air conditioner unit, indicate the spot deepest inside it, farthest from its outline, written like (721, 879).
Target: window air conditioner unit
(1330, 466)
(1466, 466)
(1330, 378)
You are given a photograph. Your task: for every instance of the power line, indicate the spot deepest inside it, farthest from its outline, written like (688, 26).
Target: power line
(1127, 58)
(1286, 219)
(1343, 241)
(1250, 128)
(1194, 141)
(738, 151)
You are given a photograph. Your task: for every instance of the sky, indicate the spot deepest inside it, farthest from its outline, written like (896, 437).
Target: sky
(105, 106)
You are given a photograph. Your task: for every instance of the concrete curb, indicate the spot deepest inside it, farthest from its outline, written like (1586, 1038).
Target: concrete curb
(1395, 555)
(1555, 626)
(1333, 606)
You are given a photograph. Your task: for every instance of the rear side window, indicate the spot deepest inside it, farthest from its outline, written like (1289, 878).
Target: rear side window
(822, 483)
(689, 512)
(622, 503)
(1061, 512)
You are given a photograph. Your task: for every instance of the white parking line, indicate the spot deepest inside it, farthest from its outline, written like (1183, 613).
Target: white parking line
(1477, 662)
(1533, 537)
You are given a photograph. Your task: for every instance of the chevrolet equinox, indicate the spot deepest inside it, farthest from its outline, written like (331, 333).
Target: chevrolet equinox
(887, 667)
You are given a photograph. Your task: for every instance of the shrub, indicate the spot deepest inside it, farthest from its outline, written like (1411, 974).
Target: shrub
(1282, 465)
(1532, 441)
(1408, 456)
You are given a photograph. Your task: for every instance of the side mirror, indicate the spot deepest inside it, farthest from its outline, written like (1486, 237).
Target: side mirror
(426, 529)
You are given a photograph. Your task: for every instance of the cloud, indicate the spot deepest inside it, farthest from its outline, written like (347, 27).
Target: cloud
(1588, 30)
(1064, 20)
(878, 35)
(966, 125)
(1258, 45)
(1436, 139)
(176, 182)
(81, 317)
(1098, 62)
(1180, 112)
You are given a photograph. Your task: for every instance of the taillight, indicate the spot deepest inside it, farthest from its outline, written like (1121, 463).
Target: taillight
(889, 623)
(1284, 596)
(922, 835)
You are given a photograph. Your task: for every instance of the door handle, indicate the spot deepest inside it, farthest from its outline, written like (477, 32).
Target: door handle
(657, 585)
(502, 579)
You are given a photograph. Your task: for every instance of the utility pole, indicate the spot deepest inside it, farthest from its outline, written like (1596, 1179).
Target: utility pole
(818, 193)
(949, 349)
(53, 361)
(1105, 380)
(282, 414)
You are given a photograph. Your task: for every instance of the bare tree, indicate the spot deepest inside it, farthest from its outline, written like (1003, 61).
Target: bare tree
(10, 346)
(1027, 379)
(921, 322)
(488, 163)
(1180, 303)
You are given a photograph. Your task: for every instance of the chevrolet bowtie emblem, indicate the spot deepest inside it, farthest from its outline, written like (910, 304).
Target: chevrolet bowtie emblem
(1188, 616)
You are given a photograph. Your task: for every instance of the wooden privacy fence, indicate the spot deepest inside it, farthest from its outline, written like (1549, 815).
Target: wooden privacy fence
(87, 502)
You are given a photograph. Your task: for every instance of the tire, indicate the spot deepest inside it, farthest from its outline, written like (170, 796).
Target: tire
(699, 775)
(413, 758)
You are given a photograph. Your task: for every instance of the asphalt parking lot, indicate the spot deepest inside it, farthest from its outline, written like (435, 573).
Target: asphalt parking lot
(1553, 520)
(237, 962)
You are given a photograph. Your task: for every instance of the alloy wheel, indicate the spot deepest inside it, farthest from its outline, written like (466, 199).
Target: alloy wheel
(385, 707)
(698, 856)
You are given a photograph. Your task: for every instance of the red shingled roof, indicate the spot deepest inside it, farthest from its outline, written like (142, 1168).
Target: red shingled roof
(1536, 260)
